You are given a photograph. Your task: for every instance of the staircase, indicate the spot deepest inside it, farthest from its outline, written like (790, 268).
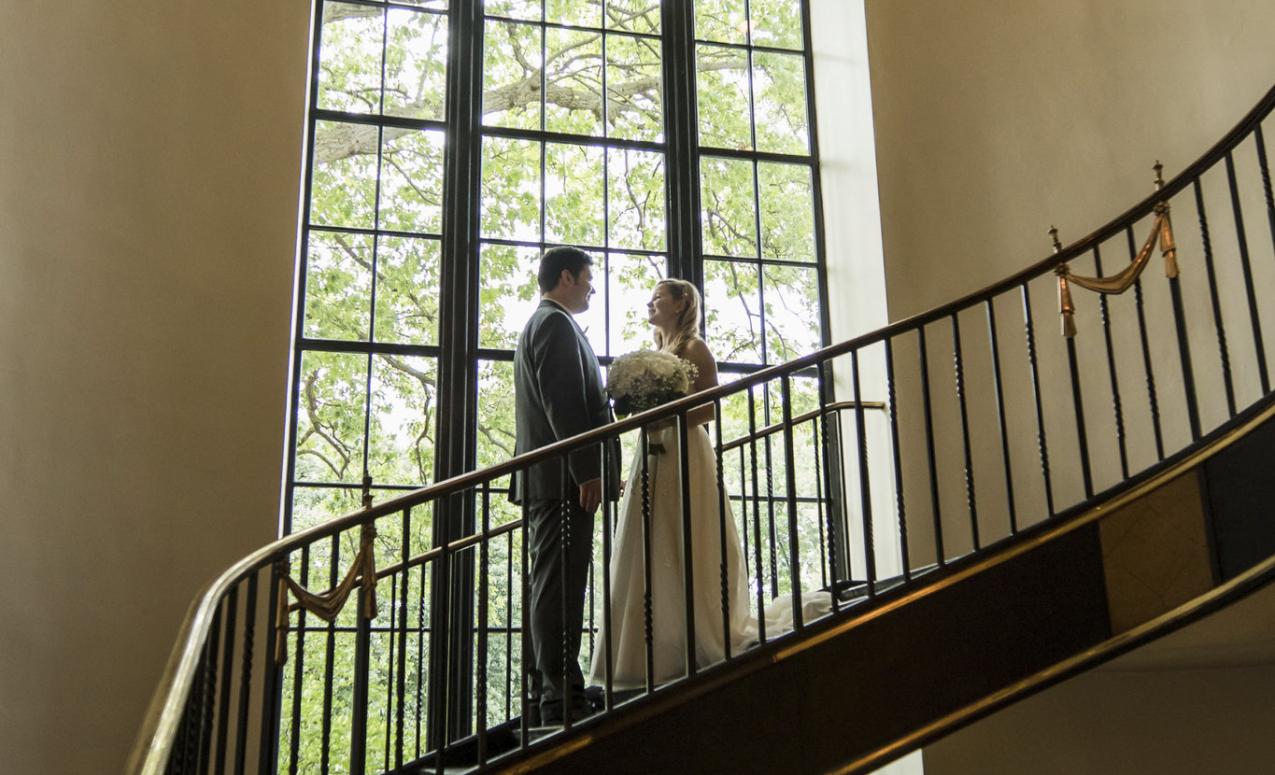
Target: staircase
(350, 647)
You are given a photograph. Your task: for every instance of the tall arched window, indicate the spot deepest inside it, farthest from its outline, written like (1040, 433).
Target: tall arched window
(451, 141)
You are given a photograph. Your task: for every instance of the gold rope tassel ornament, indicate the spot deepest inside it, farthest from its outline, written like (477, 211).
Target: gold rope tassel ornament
(1161, 233)
(328, 605)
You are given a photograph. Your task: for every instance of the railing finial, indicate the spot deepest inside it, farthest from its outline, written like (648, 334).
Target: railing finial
(1066, 307)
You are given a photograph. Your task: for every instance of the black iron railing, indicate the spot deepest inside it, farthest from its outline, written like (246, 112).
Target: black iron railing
(962, 461)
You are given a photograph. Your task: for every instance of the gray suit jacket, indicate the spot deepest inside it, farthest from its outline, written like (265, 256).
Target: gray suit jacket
(558, 393)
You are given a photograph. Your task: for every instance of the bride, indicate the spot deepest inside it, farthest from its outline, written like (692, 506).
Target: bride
(674, 313)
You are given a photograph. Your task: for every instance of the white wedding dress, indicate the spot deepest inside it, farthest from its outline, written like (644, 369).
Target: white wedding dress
(668, 595)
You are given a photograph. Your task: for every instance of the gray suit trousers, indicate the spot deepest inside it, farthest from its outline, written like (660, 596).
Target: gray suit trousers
(560, 547)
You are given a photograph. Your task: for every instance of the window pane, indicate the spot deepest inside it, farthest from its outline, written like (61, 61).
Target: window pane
(721, 20)
(792, 312)
(779, 86)
(634, 105)
(573, 89)
(313, 506)
(407, 290)
(507, 293)
(578, 13)
(727, 216)
(511, 189)
(787, 212)
(574, 207)
(412, 181)
(630, 282)
(776, 23)
(344, 186)
(636, 198)
(511, 75)
(338, 286)
(732, 310)
(350, 58)
(331, 403)
(495, 414)
(722, 97)
(633, 16)
(513, 9)
(416, 64)
(593, 321)
(404, 395)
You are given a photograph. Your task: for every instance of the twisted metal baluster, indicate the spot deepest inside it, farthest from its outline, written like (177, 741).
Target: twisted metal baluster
(1153, 402)
(1117, 409)
(1223, 351)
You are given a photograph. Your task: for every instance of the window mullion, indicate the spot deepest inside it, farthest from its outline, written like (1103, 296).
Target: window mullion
(682, 166)
(450, 652)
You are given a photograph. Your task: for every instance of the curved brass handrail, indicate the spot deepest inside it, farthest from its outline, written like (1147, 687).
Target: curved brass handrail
(158, 732)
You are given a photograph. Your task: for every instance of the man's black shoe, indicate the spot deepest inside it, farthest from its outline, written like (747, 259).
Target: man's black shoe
(551, 715)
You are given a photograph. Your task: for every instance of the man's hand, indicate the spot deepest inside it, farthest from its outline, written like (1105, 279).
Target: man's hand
(591, 495)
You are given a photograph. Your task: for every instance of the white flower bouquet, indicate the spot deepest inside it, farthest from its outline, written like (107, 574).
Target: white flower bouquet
(647, 378)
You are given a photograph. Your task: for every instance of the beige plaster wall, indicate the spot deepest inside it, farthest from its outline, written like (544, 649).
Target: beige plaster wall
(150, 160)
(1133, 723)
(995, 120)
(1194, 701)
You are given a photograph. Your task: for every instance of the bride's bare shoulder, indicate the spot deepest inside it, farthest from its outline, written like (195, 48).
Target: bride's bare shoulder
(696, 349)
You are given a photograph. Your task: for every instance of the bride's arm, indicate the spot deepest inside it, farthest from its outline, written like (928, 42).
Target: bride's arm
(697, 352)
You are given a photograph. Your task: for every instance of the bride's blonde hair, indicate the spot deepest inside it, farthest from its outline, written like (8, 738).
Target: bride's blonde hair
(686, 327)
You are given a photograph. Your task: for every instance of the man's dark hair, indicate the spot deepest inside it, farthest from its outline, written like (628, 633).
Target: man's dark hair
(555, 260)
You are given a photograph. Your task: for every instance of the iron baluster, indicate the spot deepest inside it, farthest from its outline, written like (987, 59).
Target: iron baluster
(400, 715)
(825, 539)
(1184, 357)
(1152, 401)
(688, 549)
(865, 485)
(900, 507)
(1262, 163)
(298, 671)
(959, 366)
(268, 743)
(1223, 351)
(359, 699)
(1073, 370)
(1116, 407)
(608, 688)
(209, 690)
(721, 524)
(928, 410)
(245, 674)
(761, 580)
(228, 663)
(824, 446)
(647, 619)
(770, 500)
(328, 669)
(999, 389)
(1041, 442)
(483, 581)
(564, 552)
(790, 476)
(527, 662)
(1250, 292)
(509, 624)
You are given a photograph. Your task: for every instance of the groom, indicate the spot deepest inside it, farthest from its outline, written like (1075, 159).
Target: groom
(558, 393)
